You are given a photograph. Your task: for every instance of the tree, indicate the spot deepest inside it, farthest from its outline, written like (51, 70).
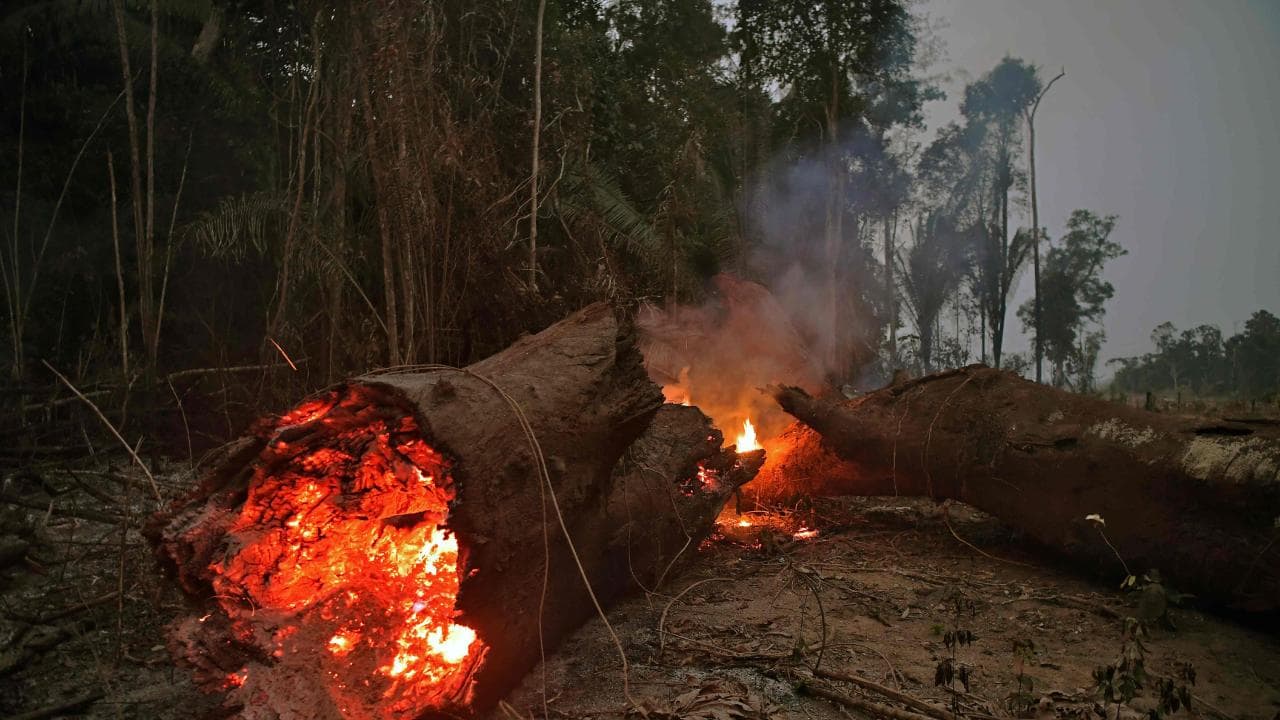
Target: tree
(850, 63)
(1258, 355)
(1000, 100)
(1074, 296)
(952, 180)
(930, 273)
(1030, 113)
(1171, 353)
(1200, 359)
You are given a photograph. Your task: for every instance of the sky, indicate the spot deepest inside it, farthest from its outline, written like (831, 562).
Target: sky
(1167, 117)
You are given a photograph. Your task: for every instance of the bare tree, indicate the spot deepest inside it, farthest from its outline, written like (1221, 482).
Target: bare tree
(1035, 213)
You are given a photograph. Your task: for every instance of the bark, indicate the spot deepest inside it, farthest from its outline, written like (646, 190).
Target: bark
(210, 36)
(582, 386)
(889, 294)
(1196, 500)
(143, 251)
(537, 132)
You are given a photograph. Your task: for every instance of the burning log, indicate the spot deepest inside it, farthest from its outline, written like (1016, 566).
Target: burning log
(379, 551)
(1198, 501)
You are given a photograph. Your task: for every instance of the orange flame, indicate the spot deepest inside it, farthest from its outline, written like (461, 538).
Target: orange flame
(747, 438)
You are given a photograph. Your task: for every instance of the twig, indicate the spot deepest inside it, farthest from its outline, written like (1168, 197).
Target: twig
(62, 708)
(154, 488)
(1067, 601)
(283, 354)
(731, 654)
(893, 671)
(812, 584)
(1114, 551)
(94, 492)
(662, 620)
(191, 460)
(866, 706)
(688, 539)
(946, 519)
(890, 693)
(193, 372)
(83, 514)
(69, 611)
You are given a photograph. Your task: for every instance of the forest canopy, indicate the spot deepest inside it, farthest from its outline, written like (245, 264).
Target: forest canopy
(258, 198)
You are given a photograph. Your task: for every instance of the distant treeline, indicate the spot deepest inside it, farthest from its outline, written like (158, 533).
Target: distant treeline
(1200, 361)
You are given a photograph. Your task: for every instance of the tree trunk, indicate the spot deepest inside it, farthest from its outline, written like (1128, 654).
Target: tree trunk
(889, 294)
(1196, 500)
(834, 227)
(537, 133)
(1035, 217)
(582, 390)
(1002, 274)
(135, 165)
(1035, 245)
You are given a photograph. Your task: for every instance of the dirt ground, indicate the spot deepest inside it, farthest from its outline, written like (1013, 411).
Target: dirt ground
(736, 634)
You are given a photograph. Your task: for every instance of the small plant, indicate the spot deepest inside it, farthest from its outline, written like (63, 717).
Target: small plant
(1175, 692)
(1120, 681)
(950, 669)
(1022, 698)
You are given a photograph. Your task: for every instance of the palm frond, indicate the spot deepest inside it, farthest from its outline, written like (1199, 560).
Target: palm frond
(587, 191)
(239, 225)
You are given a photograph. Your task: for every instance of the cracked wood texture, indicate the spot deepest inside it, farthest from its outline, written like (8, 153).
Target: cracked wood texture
(1198, 500)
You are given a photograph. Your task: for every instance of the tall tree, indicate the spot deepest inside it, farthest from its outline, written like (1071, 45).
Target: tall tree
(1075, 296)
(999, 100)
(851, 62)
(1035, 212)
(931, 273)
(1258, 352)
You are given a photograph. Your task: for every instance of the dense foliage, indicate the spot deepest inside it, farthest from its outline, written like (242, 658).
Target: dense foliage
(231, 201)
(1202, 362)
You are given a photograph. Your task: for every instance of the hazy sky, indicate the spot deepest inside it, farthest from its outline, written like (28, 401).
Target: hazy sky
(1167, 117)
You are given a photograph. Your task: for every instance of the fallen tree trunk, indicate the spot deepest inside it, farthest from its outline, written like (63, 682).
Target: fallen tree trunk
(396, 546)
(1199, 501)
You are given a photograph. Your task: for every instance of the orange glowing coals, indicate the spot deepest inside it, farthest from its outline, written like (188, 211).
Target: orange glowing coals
(342, 549)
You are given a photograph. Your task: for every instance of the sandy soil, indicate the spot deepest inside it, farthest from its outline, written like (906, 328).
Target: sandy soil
(736, 634)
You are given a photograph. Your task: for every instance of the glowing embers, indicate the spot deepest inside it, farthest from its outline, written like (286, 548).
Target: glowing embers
(764, 528)
(342, 553)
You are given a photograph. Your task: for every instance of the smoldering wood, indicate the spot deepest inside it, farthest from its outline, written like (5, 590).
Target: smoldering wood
(582, 386)
(1199, 501)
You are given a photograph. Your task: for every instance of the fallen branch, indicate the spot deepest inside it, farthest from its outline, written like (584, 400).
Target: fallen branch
(662, 620)
(196, 372)
(154, 488)
(63, 708)
(83, 514)
(909, 701)
(866, 706)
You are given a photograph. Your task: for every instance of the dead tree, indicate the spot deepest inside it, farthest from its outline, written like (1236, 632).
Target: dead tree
(1197, 500)
(304, 538)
